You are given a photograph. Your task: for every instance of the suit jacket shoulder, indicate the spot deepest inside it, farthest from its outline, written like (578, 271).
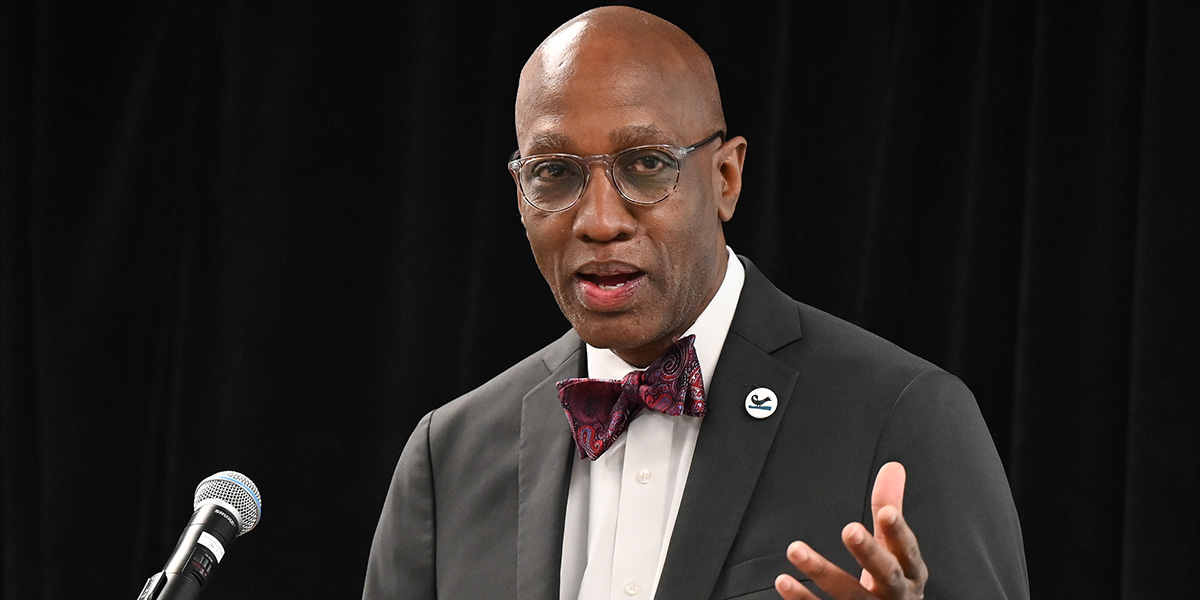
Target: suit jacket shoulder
(497, 403)
(480, 489)
(849, 401)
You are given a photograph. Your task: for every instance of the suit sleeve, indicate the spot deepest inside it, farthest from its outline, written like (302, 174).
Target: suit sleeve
(957, 499)
(402, 553)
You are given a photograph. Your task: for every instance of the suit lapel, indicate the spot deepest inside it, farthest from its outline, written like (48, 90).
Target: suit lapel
(732, 446)
(543, 475)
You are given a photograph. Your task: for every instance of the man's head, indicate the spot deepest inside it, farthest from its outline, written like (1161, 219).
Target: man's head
(629, 277)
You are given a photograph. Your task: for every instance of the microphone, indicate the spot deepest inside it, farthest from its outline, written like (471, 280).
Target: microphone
(227, 506)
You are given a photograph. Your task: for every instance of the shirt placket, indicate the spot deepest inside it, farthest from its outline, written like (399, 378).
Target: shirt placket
(641, 513)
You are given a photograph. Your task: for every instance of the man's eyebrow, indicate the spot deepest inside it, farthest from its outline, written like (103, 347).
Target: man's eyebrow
(541, 143)
(635, 135)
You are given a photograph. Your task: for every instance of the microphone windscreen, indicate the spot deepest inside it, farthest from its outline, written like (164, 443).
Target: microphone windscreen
(237, 491)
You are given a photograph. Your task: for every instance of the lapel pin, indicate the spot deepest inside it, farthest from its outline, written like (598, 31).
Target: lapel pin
(761, 403)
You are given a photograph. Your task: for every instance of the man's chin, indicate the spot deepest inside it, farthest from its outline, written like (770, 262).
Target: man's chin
(628, 341)
(615, 332)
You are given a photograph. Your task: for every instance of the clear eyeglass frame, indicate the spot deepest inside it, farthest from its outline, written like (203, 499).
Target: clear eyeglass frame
(517, 163)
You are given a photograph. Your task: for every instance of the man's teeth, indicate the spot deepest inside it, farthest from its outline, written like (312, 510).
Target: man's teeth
(611, 287)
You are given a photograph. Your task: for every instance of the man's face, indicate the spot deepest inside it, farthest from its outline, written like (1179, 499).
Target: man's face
(628, 277)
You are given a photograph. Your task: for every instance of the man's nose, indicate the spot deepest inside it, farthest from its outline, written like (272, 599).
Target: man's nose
(603, 215)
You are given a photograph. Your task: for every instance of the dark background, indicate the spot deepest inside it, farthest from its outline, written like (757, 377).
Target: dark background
(269, 236)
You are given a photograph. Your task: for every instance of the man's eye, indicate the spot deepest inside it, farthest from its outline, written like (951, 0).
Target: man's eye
(552, 170)
(649, 162)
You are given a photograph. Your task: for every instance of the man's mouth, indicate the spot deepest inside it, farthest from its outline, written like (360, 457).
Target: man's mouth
(611, 282)
(608, 287)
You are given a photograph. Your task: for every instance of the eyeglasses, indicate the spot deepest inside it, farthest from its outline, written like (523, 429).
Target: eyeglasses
(643, 175)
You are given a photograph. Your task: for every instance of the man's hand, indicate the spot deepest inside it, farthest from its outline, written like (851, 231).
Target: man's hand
(891, 562)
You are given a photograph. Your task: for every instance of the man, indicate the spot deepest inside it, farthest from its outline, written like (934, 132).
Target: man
(788, 423)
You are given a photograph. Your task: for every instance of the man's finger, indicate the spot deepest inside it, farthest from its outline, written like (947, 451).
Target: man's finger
(902, 542)
(882, 573)
(889, 488)
(790, 589)
(831, 578)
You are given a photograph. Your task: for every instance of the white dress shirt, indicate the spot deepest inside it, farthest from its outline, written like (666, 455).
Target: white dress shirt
(621, 507)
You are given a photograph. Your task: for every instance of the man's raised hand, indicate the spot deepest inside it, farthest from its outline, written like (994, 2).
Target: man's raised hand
(892, 568)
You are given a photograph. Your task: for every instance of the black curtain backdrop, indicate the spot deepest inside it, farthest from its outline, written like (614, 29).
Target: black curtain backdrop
(268, 237)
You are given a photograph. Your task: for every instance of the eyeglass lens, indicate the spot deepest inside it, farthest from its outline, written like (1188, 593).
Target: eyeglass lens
(642, 175)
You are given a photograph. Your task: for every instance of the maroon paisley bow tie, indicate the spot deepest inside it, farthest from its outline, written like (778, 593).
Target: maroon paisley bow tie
(599, 410)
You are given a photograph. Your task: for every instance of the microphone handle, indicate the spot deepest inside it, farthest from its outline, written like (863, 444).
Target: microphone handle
(197, 553)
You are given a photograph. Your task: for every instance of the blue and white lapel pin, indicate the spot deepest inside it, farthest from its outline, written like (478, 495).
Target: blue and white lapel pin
(761, 403)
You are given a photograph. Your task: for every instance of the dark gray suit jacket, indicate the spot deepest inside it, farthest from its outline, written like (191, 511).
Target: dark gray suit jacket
(477, 503)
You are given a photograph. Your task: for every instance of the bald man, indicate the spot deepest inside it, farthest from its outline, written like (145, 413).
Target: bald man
(785, 432)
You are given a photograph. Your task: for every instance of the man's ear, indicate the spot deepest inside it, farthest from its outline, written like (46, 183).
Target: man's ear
(730, 157)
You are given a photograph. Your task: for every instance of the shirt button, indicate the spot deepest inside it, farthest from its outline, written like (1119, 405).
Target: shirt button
(643, 476)
(632, 588)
